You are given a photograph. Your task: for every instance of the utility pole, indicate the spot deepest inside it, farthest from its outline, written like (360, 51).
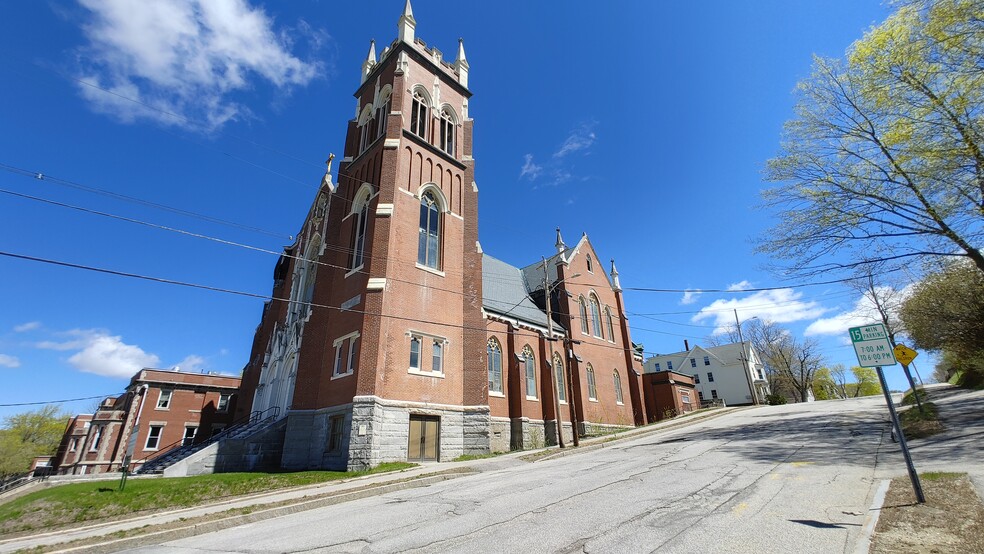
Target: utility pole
(553, 378)
(744, 362)
(570, 387)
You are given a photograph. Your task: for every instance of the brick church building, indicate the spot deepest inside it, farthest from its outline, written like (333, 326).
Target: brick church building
(401, 339)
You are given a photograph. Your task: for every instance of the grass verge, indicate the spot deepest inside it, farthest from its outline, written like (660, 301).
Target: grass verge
(917, 424)
(93, 502)
(951, 520)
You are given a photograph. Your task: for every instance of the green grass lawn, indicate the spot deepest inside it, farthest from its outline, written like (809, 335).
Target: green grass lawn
(65, 505)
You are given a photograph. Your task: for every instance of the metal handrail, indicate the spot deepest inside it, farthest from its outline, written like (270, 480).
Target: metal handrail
(241, 423)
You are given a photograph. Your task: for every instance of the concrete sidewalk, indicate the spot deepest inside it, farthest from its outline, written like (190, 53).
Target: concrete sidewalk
(960, 447)
(256, 507)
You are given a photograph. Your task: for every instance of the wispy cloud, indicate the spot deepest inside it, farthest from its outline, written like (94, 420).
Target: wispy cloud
(579, 139)
(192, 364)
(29, 326)
(530, 170)
(689, 297)
(740, 285)
(171, 61)
(779, 306)
(863, 312)
(9, 361)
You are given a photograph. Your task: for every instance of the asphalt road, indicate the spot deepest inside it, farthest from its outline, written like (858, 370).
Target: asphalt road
(770, 479)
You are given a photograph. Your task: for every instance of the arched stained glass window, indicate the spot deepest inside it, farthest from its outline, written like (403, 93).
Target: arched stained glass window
(495, 365)
(429, 242)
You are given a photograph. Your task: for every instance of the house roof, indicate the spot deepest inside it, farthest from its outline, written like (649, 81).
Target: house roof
(504, 292)
(533, 273)
(727, 354)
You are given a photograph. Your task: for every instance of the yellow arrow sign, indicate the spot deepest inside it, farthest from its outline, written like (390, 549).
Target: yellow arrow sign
(904, 354)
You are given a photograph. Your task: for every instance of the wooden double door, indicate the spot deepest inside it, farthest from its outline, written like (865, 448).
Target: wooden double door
(425, 438)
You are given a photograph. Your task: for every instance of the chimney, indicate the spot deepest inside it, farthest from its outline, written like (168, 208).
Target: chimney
(686, 345)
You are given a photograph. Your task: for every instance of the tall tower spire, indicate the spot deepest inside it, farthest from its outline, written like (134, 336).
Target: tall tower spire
(406, 24)
(370, 61)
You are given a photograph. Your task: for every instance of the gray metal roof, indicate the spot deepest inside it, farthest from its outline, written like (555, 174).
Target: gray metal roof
(504, 293)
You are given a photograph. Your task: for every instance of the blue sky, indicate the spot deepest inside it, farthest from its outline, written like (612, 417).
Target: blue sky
(644, 124)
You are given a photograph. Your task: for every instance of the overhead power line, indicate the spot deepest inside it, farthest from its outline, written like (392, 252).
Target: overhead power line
(54, 401)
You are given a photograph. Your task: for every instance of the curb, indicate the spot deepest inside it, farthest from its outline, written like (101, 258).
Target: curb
(871, 521)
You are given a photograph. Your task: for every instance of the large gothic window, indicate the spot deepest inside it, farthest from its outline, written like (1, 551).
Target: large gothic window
(418, 115)
(611, 327)
(382, 114)
(429, 242)
(359, 236)
(558, 367)
(495, 366)
(529, 366)
(592, 384)
(584, 316)
(447, 131)
(596, 317)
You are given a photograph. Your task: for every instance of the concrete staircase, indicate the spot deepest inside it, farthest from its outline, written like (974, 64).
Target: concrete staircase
(257, 422)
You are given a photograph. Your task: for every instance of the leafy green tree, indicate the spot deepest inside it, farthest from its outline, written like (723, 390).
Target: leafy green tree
(824, 387)
(867, 383)
(27, 435)
(945, 312)
(883, 161)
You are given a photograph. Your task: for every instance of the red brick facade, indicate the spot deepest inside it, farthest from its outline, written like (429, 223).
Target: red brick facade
(167, 408)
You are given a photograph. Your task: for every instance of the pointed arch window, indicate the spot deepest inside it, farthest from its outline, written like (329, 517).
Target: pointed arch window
(429, 241)
(596, 317)
(558, 367)
(418, 115)
(359, 236)
(447, 131)
(618, 387)
(592, 384)
(611, 326)
(584, 316)
(590, 267)
(367, 132)
(382, 114)
(529, 369)
(309, 276)
(494, 353)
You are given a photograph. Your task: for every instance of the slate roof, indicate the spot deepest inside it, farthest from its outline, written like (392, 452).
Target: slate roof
(504, 292)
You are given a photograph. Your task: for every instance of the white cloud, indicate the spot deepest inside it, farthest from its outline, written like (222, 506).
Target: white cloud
(779, 306)
(863, 312)
(740, 285)
(192, 364)
(184, 57)
(690, 296)
(9, 361)
(580, 139)
(530, 170)
(101, 353)
(108, 355)
(29, 326)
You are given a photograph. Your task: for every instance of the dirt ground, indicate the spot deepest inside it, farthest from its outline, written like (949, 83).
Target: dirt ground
(951, 520)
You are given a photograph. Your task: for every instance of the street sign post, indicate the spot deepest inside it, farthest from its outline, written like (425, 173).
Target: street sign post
(872, 345)
(874, 349)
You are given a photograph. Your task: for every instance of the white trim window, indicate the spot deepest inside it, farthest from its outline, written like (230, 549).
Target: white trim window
(592, 385)
(429, 241)
(346, 354)
(359, 236)
(438, 349)
(97, 431)
(154, 437)
(583, 307)
(494, 354)
(382, 114)
(164, 400)
(611, 326)
(189, 435)
(223, 404)
(529, 369)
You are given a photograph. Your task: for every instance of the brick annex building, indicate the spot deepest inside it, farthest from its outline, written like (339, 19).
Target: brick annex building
(165, 408)
(402, 340)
